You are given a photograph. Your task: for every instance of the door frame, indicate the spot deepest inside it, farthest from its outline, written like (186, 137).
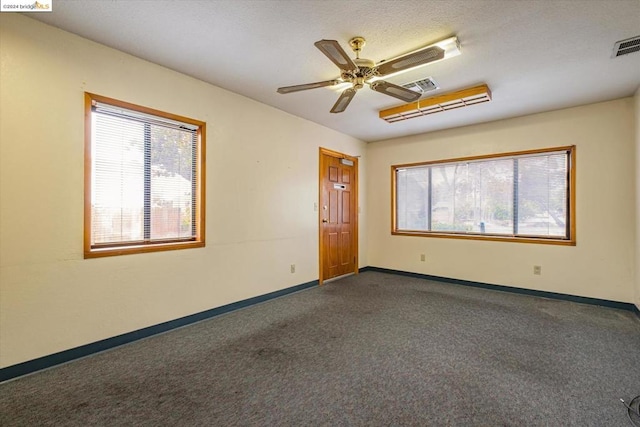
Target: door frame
(336, 154)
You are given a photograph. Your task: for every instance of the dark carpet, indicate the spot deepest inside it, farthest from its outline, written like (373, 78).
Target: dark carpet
(368, 350)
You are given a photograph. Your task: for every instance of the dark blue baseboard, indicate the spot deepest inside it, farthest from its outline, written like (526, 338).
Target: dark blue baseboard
(51, 360)
(544, 294)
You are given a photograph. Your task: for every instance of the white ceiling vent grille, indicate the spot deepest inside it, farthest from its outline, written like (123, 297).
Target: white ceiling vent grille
(625, 47)
(422, 86)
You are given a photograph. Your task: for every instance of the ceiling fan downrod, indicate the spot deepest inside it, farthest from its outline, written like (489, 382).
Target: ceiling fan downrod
(357, 43)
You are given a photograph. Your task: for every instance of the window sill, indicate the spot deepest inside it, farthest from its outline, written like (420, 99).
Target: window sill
(494, 238)
(138, 249)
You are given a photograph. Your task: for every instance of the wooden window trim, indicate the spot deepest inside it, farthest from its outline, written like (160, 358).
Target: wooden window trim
(143, 247)
(571, 241)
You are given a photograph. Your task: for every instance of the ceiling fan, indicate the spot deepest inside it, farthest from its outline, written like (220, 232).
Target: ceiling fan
(360, 71)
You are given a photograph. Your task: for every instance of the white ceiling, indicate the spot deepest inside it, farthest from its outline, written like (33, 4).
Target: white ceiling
(535, 55)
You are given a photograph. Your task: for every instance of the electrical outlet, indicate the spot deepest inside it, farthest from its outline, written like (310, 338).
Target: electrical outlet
(422, 257)
(537, 270)
(293, 268)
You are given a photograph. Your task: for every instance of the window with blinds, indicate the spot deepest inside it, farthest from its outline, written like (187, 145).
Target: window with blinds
(144, 178)
(525, 196)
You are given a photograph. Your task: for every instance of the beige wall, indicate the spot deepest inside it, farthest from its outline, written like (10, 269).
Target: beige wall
(262, 168)
(602, 265)
(261, 189)
(637, 137)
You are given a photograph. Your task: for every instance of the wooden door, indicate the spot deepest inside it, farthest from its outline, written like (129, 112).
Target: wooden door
(338, 214)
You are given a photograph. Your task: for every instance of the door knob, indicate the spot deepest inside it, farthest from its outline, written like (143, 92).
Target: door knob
(325, 220)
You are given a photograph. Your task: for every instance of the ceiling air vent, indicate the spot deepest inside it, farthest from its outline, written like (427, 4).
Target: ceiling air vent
(422, 86)
(625, 47)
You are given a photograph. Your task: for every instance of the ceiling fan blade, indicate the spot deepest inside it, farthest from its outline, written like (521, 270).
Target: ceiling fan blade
(296, 88)
(337, 55)
(343, 101)
(395, 91)
(411, 60)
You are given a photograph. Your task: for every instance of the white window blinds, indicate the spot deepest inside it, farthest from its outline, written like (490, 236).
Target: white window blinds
(143, 178)
(517, 195)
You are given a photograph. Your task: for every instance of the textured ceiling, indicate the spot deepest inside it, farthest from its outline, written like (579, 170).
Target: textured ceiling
(534, 55)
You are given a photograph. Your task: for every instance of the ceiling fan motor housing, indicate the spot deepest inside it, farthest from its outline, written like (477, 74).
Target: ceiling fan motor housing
(364, 72)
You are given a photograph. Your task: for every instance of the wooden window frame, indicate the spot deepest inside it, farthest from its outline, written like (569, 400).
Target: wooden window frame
(143, 246)
(571, 201)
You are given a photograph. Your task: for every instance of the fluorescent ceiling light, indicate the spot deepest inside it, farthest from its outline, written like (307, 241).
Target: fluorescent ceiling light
(436, 104)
